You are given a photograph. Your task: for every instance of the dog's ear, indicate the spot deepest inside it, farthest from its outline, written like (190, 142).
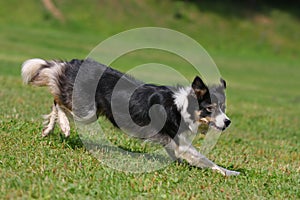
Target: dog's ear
(223, 82)
(199, 87)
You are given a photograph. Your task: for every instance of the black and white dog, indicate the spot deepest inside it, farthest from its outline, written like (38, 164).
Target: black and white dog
(169, 113)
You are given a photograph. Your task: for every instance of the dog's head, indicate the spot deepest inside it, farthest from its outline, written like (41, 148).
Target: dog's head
(203, 105)
(211, 103)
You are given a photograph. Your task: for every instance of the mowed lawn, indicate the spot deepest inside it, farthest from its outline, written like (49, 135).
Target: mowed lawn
(263, 142)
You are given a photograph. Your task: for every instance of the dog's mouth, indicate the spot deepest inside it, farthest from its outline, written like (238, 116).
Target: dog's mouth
(208, 122)
(213, 125)
(218, 121)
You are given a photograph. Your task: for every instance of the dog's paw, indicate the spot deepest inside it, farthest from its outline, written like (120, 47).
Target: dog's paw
(225, 172)
(64, 125)
(46, 130)
(65, 129)
(49, 124)
(231, 173)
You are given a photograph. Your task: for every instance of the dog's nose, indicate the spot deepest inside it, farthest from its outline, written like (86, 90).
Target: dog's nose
(227, 122)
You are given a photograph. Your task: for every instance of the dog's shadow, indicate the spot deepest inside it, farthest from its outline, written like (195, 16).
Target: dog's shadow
(75, 142)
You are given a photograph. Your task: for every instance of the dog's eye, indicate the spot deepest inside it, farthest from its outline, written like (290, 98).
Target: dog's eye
(209, 109)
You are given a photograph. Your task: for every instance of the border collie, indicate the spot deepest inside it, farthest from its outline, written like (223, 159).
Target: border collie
(181, 109)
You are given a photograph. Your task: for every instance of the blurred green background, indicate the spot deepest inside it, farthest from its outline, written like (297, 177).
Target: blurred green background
(255, 44)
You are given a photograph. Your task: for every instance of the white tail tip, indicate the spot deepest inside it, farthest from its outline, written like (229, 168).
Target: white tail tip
(30, 68)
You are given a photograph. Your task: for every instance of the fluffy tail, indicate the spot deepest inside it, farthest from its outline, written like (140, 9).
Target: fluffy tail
(39, 72)
(31, 71)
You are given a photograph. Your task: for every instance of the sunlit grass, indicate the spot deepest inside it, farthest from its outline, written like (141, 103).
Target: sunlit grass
(258, 61)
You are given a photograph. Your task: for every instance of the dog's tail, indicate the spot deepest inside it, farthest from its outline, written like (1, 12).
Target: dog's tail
(39, 72)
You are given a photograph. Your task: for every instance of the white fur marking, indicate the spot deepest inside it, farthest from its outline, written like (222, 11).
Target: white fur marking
(52, 74)
(63, 121)
(220, 120)
(50, 122)
(182, 103)
(30, 67)
(46, 77)
(181, 100)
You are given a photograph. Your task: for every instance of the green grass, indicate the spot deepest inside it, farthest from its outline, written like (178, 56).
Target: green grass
(258, 56)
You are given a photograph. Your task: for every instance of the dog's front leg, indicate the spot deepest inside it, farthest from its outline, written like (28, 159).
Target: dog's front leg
(185, 150)
(195, 158)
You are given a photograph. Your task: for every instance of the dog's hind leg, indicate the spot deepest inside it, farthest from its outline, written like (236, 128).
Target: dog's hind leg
(50, 121)
(63, 121)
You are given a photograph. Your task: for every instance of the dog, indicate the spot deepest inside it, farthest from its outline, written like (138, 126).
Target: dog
(170, 114)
